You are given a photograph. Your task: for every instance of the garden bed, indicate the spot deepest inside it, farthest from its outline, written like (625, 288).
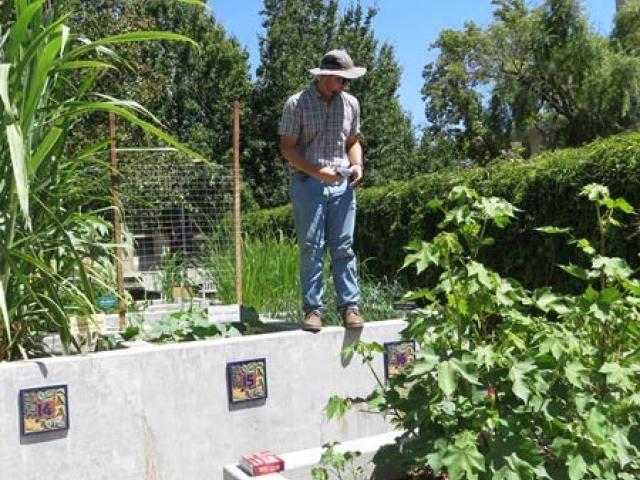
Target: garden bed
(163, 411)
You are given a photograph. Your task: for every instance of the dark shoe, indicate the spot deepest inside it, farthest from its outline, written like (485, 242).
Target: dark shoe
(351, 318)
(312, 321)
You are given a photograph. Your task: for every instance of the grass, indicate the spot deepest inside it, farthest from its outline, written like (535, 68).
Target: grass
(271, 283)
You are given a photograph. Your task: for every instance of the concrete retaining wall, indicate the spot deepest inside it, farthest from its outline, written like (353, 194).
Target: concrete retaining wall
(161, 412)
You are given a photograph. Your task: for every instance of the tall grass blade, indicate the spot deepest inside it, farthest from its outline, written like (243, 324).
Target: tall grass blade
(80, 64)
(20, 29)
(37, 83)
(4, 86)
(132, 37)
(5, 314)
(18, 161)
(43, 150)
(132, 118)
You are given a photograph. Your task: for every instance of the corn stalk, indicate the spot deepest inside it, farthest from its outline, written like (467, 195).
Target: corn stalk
(52, 201)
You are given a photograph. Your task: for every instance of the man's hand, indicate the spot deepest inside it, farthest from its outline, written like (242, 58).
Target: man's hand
(328, 175)
(356, 175)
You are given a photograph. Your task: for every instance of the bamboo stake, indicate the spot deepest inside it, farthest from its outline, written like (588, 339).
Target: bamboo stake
(117, 224)
(237, 212)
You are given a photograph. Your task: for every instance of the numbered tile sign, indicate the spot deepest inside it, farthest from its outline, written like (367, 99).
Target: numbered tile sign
(247, 380)
(398, 355)
(44, 409)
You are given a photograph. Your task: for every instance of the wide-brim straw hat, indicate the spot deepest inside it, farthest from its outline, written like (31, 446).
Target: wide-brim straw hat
(338, 63)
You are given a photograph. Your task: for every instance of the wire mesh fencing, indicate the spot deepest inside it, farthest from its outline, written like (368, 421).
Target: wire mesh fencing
(178, 223)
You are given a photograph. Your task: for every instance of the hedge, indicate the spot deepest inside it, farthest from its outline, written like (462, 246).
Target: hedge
(545, 188)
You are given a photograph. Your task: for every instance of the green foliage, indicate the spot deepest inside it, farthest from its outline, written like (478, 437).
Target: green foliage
(188, 325)
(537, 70)
(190, 90)
(271, 280)
(50, 229)
(337, 465)
(546, 189)
(511, 383)
(173, 267)
(626, 32)
(269, 273)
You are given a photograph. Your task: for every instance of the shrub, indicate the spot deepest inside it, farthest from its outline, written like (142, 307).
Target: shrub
(546, 189)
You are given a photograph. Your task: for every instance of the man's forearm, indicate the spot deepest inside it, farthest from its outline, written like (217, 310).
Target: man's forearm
(295, 158)
(355, 154)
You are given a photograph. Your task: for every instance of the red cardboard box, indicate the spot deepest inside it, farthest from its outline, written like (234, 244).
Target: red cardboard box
(261, 463)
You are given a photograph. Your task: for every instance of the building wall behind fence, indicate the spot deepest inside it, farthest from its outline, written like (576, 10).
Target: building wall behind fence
(162, 411)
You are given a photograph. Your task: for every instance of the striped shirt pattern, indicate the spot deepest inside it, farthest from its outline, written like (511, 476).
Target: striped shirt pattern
(322, 128)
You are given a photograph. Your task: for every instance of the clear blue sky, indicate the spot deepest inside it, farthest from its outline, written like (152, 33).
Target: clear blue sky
(411, 26)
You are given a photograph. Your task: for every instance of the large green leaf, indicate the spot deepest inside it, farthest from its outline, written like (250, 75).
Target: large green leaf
(576, 373)
(88, 107)
(577, 467)
(447, 377)
(18, 162)
(145, 36)
(622, 448)
(19, 30)
(4, 86)
(40, 74)
(43, 150)
(463, 459)
(518, 373)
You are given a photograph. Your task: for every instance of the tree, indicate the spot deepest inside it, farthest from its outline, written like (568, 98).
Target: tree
(452, 91)
(387, 133)
(532, 69)
(626, 31)
(190, 90)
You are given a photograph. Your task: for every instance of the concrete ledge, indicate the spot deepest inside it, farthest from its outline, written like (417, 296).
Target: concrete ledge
(298, 465)
(162, 412)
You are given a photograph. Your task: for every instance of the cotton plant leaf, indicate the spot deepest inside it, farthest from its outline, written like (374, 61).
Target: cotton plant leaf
(447, 377)
(517, 374)
(577, 467)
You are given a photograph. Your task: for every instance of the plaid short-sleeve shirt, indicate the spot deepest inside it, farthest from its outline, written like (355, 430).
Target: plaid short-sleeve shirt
(322, 128)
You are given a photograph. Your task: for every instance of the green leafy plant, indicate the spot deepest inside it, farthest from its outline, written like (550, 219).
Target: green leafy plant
(188, 325)
(51, 226)
(271, 280)
(337, 465)
(510, 383)
(172, 273)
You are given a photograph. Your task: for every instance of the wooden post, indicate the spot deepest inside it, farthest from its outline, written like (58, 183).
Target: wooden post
(117, 224)
(236, 190)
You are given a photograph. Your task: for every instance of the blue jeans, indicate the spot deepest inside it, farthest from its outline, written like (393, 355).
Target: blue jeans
(325, 215)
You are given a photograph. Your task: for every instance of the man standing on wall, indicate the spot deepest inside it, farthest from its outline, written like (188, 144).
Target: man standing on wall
(319, 138)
